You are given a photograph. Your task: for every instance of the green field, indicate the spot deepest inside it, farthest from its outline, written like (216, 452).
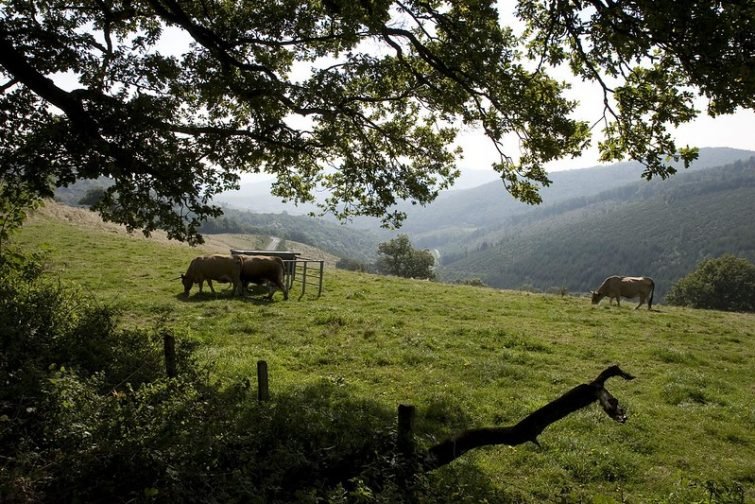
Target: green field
(468, 357)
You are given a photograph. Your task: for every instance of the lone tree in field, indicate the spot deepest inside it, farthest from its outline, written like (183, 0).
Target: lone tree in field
(725, 283)
(173, 99)
(398, 257)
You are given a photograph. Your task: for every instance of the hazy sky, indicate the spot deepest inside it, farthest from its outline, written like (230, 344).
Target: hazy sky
(734, 130)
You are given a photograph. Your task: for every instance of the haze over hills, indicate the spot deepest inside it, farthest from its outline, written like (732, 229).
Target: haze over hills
(489, 205)
(593, 222)
(660, 230)
(466, 205)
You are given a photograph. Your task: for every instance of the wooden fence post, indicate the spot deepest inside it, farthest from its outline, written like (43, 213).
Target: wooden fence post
(169, 348)
(263, 388)
(405, 441)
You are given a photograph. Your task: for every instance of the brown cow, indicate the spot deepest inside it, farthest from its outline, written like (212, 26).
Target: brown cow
(262, 269)
(218, 267)
(627, 287)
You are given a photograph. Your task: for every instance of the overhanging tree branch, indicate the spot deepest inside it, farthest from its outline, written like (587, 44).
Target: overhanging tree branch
(386, 105)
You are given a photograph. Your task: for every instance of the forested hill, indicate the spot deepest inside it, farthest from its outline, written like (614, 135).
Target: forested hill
(658, 230)
(456, 214)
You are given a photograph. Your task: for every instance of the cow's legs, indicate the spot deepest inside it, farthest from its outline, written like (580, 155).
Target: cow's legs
(281, 284)
(209, 282)
(201, 284)
(642, 302)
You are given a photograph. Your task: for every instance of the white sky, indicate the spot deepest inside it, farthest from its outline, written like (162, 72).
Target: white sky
(734, 130)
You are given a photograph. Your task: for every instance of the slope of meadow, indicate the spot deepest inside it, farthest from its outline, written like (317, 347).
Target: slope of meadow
(467, 357)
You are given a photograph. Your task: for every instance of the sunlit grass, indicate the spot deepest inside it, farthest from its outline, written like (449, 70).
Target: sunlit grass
(467, 357)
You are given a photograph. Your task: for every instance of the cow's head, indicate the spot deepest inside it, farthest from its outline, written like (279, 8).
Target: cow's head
(188, 283)
(596, 297)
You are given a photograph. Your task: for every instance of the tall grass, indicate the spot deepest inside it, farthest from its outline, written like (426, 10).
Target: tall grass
(469, 356)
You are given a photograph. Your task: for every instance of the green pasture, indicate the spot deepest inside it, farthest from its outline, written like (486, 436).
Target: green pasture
(468, 357)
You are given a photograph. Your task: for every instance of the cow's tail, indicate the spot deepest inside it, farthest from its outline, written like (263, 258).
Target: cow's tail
(652, 291)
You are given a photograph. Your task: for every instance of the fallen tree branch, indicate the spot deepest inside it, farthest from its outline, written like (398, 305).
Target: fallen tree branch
(529, 428)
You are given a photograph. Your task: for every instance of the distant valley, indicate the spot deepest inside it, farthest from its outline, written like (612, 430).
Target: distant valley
(593, 223)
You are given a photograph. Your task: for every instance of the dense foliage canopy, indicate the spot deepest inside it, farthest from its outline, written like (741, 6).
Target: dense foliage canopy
(174, 99)
(725, 283)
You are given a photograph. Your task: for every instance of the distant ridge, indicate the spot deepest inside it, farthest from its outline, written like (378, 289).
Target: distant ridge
(656, 229)
(461, 225)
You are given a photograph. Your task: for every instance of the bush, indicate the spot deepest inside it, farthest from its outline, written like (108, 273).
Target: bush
(75, 387)
(726, 283)
(398, 257)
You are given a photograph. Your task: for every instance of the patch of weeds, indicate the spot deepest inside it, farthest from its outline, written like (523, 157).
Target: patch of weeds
(416, 357)
(730, 433)
(689, 388)
(459, 331)
(589, 354)
(162, 310)
(383, 360)
(244, 327)
(685, 389)
(734, 358)
(674, 356)
(599, 466)
(330, 319)
(506, 372)
(522, 344)
(516, 357)
(448, 415)
(709, 492)
(338, 381)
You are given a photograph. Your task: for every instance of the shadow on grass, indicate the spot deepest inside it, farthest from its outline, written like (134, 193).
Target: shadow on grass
(321, 441)
(252, 297)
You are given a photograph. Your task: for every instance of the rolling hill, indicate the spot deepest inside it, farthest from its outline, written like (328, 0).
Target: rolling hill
(594, 222)
(659, 230)
(489, 205)
(464, 356)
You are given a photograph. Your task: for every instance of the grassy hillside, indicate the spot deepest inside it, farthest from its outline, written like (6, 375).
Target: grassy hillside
(661, 231)
(467, 357)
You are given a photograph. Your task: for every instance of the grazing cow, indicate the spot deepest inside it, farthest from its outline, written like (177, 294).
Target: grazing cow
(628, 287)
(262, 269)
(218, 267)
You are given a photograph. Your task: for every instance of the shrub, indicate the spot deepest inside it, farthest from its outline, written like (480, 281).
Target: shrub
(398, 257)
(726, 283)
